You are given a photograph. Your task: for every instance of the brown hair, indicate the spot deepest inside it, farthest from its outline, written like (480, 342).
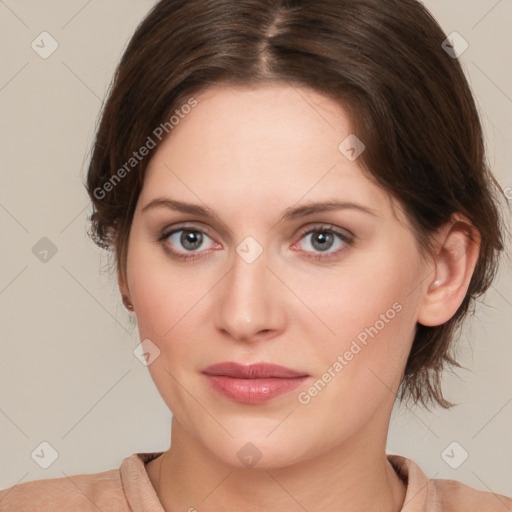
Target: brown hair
(408, 100)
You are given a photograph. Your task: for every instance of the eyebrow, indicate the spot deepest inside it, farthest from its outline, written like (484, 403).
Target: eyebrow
(288, 214)
(325, 206)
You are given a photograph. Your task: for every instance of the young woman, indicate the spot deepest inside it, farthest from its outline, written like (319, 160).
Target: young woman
(298, 201)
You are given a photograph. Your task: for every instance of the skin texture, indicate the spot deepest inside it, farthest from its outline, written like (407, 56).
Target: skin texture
(249, 154)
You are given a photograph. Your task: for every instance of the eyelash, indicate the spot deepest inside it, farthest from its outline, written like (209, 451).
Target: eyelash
(347, 239)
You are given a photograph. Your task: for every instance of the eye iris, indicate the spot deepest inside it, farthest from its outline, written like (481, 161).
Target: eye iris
(322, 240)
(191, 240)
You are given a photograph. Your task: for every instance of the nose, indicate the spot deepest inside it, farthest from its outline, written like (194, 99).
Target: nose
(249, 306)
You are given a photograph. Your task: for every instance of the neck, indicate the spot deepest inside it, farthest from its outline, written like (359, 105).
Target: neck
(353, 476)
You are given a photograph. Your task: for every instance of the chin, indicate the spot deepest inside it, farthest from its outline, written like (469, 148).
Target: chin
(259, 451)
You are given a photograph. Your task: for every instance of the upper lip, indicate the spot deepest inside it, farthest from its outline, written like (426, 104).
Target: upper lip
(252, 371)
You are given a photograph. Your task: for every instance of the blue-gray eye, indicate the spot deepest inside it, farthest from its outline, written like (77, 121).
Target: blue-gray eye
(188, 239)
(323, 240)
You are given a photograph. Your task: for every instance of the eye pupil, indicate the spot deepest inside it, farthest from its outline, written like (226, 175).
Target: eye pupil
(191, 239)
(322, 240)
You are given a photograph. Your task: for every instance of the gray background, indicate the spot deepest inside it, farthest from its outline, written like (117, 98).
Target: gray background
(68, 376)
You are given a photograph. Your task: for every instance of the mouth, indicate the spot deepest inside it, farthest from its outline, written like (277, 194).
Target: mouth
(255, 383)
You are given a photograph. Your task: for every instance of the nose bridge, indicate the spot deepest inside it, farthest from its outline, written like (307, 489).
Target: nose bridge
(248, 305)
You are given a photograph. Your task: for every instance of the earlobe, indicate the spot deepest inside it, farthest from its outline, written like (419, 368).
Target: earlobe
(127, 304)
(454, 264)
(125, 292)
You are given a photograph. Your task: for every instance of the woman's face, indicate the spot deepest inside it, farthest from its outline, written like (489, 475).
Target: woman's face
(241, 250)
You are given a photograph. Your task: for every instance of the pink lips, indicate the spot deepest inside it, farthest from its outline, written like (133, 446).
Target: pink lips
(252, 384)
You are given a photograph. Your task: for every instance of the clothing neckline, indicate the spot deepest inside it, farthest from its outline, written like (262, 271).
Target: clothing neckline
(142, 496)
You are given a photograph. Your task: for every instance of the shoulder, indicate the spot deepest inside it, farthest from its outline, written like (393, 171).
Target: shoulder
(85, 492)
(453, 495)
(438, 495)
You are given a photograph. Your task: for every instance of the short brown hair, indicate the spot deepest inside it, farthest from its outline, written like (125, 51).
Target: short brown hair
(408, 100)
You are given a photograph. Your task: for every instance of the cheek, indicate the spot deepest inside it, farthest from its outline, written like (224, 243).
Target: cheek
(163, 293)
(367, 315)
(348, 300)
(357, 370)
(168, 304)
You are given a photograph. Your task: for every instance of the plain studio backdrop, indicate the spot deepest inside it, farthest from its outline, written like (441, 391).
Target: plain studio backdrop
(70, 384)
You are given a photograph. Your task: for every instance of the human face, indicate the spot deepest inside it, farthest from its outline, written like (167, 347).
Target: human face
(333, 295)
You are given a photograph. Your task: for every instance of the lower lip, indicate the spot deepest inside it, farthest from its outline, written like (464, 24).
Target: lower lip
(253, 391)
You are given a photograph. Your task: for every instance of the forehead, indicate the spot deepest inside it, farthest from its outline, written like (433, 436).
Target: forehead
(272, 143)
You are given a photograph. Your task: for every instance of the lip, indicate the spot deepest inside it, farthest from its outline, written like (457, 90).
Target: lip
(255, 383)
(253, 371)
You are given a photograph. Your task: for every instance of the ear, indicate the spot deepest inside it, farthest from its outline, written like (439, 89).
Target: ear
(125, 291)
(458, 246)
